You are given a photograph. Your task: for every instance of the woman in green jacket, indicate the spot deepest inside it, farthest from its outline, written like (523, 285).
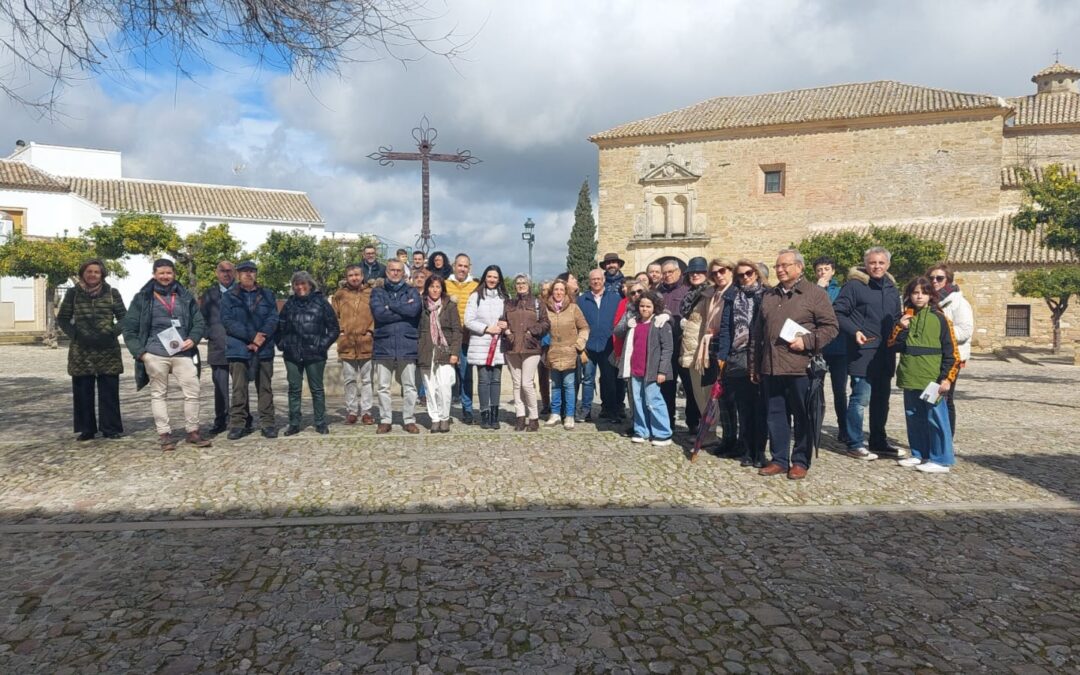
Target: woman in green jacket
(90, 315)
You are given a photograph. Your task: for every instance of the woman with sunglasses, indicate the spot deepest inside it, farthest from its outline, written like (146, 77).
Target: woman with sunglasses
(957, 310)
(731, 350)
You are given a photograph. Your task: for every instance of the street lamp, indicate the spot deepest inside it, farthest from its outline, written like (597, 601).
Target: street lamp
(529, 237)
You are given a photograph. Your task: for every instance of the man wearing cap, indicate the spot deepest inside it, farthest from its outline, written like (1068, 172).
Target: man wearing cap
(162, 329)
(249, 313)
(216, 341)
(612, 265)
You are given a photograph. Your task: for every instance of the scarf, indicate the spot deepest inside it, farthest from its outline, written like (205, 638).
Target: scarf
(434, 309)
(558, 305)
(93, 291)
(392, 287)
(714, 314)
(744, 314)
(691, 299)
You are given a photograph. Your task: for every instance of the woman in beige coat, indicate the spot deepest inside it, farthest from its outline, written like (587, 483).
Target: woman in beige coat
(569, 333)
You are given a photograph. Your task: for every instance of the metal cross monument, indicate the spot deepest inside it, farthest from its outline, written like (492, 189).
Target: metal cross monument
(425, 136)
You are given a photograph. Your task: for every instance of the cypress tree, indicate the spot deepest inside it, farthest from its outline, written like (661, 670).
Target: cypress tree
(581, 248)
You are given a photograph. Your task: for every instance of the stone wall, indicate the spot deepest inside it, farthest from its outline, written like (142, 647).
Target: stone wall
(1031, 147)
(989, 290)
(943, 166)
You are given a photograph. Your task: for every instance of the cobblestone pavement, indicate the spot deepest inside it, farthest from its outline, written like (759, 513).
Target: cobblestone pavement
(992, 588)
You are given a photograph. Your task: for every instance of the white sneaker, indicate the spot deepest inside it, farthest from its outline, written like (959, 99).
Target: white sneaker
(568, 423)
(552, 421)
(930, 467)
(861, 453)
(661, 442)
(909, 462)
(637, 439)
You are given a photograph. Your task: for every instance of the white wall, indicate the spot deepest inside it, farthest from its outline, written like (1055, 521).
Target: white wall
(63, 161)
(48, 214)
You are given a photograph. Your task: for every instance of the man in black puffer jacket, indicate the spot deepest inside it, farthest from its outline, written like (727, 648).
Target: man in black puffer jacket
(307, 326)
(867, 308)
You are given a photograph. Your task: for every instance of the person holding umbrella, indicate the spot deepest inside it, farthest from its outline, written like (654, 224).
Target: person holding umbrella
(794, 321)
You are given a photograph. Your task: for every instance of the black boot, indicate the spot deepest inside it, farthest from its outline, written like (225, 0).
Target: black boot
(485, 419)
(495, 417)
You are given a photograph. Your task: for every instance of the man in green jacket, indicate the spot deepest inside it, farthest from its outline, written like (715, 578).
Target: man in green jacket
(162, 328)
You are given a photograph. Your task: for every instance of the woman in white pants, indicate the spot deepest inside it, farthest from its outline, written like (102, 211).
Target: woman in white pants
(440, 343)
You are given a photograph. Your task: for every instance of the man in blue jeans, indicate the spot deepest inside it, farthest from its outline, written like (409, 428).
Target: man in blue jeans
(867, 308)
(459, 287)
(599, 304)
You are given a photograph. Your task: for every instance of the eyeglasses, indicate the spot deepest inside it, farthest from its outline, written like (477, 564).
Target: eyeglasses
(938, 278)
(637, 292)
(722, 270)
(747, 274)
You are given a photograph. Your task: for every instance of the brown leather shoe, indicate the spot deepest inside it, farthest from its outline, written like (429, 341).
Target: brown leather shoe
(350, 418)
(796, 472)
(771, 469)
(445, 428)
(367, 420)
(534, 425)
(435, 428)
(519, 424)
(383, 429)
(411, 428)
(193, 438)
(166, 441)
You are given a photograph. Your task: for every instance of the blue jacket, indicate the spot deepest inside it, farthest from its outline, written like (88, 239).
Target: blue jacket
(397, 319)
(245, 313)
(873, 307)
(837, 347)
(614, 282)
(601, 319)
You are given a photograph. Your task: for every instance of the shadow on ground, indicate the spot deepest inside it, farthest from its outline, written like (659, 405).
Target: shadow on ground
(888, 592)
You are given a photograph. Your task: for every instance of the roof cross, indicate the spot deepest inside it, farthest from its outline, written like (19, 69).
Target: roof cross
(1057, 56)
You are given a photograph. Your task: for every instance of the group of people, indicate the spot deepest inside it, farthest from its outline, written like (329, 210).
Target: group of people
(428, 324)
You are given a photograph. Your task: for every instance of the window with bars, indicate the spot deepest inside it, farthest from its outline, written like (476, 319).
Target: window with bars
(772, 179)
(1018, 321)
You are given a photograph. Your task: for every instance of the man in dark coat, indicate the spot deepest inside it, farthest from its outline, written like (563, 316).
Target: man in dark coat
(612, 265)
(162, 330)
(598, 304)
(249, 313)
(396, 308)
(373, 269)
(216, 342)
(867, 308)
(673, 289)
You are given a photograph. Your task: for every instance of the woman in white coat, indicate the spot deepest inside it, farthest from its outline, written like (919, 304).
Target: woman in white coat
(958, 311)
(484, 321)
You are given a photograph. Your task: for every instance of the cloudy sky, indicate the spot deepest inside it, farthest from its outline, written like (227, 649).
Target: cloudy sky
(536, 80)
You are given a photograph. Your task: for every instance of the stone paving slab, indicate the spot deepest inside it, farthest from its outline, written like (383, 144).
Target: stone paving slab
(923, 592)
(1017, 443)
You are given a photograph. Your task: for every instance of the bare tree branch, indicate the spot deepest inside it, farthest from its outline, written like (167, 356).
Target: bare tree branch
(59, 41)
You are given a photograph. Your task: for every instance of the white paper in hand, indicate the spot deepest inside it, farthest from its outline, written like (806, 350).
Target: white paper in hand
(171, 340)
(930, 394)
(791, 330)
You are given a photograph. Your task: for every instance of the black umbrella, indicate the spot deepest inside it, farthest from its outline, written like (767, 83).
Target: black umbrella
(815, 398)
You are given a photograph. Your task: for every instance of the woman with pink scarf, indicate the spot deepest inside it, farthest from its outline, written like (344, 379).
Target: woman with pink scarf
(440, 340)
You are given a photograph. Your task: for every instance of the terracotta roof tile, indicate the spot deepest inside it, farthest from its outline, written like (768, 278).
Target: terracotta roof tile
(1055, 69)
(192, 199)
(23, 176)
(839, 102)
(1061, 107)
(973, 241)
(1010, 175)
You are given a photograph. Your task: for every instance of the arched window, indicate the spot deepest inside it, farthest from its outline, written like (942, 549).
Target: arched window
(658, 216)
(680, 208)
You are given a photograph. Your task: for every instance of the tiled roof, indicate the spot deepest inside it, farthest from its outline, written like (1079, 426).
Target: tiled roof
(1061, 107)
(1055, 69)
(839, 102)
(1010, 175)
(192, 199)
(22, 176)
(974, 241)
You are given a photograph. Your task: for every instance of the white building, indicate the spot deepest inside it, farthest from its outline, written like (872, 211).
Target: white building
(48, 191)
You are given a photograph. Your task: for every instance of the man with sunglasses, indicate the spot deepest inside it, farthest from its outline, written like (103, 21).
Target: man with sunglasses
(867, 308)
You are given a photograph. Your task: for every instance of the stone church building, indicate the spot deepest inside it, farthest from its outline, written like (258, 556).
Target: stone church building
(744, 176)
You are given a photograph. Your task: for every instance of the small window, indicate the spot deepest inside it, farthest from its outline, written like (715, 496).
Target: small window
(1018, 321)
(774, 181)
